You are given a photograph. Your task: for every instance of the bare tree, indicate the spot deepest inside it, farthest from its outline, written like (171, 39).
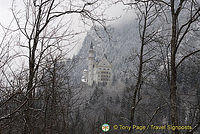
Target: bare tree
(180, 29)
(44, 32)
(147, 15)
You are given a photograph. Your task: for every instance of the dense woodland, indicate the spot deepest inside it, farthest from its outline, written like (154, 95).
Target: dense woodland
(155, 58)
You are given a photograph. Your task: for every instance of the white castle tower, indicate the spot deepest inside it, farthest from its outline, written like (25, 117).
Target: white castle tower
(98, 72)
(91, 65)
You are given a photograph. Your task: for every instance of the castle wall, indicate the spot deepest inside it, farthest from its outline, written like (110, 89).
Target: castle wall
(99, 73)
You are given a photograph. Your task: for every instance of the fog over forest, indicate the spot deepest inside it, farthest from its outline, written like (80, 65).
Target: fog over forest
(100, 67)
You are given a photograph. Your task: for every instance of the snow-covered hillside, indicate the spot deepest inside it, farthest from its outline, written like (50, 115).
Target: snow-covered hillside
(116, 42)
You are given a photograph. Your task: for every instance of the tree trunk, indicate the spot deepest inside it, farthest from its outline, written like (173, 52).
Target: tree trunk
(173, 86)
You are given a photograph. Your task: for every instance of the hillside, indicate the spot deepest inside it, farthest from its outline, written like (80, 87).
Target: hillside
(117, 43)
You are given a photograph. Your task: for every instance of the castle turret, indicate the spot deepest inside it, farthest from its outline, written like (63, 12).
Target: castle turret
(91, 65)
(99, 72)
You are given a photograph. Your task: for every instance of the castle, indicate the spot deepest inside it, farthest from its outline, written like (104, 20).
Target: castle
(98, 72)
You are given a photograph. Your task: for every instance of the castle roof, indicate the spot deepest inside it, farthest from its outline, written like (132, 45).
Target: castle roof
(104, 62)
(91, 46)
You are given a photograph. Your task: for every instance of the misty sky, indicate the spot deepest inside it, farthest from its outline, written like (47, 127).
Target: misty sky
(112, 11)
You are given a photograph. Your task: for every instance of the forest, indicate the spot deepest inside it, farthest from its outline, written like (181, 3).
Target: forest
(155, 64)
